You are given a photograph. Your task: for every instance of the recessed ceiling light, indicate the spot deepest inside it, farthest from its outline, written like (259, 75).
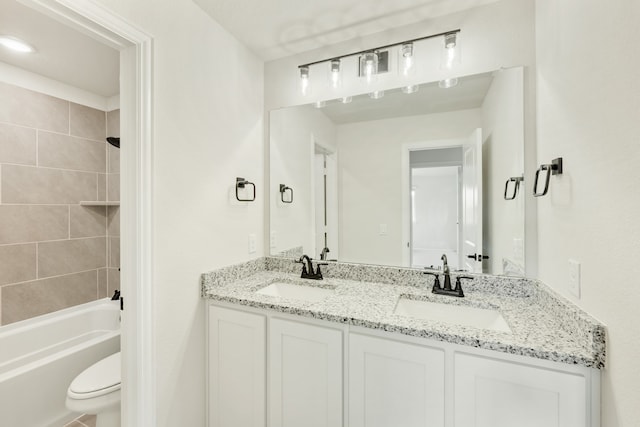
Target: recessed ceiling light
(16, 44)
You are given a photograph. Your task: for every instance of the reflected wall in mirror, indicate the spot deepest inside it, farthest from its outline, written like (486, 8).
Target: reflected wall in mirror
(403, 179)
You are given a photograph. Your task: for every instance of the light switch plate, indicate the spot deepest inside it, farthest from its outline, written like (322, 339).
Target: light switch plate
(574, 278)
(252, 243)
(383, 229)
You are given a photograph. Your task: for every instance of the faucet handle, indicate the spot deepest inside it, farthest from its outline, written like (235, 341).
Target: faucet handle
(458, 287)
(436, 282)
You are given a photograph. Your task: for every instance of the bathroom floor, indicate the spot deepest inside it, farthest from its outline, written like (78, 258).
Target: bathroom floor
(83, 421)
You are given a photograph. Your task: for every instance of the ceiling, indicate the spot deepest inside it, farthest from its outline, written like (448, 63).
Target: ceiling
(278, 28)
(63, 54)
(430, 99)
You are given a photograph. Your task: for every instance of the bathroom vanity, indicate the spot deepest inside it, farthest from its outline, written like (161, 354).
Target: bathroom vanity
(372, 346)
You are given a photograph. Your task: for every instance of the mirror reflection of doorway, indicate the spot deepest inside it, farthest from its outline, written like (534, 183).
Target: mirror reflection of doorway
(436, 177)
(445, 204)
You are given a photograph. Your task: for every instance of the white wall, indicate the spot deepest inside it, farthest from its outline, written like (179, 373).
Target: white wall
(293, 133)
(503, 157)
(208, 129)
(370, 179)
(589, 114)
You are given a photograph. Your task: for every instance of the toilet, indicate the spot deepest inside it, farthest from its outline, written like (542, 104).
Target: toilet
(96, 391)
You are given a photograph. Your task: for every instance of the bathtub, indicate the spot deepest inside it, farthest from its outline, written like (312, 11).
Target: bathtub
(39, 358)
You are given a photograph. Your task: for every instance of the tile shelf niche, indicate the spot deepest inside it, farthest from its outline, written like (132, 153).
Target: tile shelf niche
(99, 203)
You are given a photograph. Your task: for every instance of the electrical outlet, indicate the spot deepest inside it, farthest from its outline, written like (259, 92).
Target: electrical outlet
(252, 243)
(574, 278)
(273, 240)
(383, 229)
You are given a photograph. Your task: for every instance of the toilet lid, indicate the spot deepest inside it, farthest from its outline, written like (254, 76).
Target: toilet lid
(98, 379)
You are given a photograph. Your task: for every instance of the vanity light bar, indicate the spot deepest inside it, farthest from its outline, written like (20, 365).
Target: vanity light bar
(445, 34)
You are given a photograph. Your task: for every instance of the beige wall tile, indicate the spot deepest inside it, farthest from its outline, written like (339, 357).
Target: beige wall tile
(88, 420)
(114, 252)
(25, 107)
(87, 122)
(113, 123)
(113, 187)
(17, 144)
(113, 221)
(27, 184)
(17, 263)
(102, 186)
(70, 256)
(103, 283)
(114, 159)
(68, 152)
(26, 300)
(114, 280)
(33, 223)
(88, 221)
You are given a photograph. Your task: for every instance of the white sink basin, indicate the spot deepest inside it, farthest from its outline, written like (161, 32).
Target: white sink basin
(452, 314)
(297, 292)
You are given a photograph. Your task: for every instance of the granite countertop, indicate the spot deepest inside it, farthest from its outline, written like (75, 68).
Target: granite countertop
(542, 324)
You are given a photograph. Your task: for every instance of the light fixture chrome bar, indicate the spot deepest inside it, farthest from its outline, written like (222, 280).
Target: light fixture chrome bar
(380, 48)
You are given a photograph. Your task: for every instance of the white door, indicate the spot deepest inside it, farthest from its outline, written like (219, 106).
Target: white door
(472, 203)
(393, 384)
(305, 371)
(237, 368)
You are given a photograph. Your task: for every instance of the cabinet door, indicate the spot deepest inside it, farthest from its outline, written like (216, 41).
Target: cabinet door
(305, 371)
(237, 368)
(394, 384)
(495, 393)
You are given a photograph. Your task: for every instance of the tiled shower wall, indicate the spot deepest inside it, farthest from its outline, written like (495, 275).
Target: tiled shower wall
(55, 253)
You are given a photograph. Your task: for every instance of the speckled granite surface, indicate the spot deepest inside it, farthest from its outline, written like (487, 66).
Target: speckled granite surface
(543, 324)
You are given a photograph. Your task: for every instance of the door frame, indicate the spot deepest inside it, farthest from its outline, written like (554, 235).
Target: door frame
(136, 101)
(405, 182)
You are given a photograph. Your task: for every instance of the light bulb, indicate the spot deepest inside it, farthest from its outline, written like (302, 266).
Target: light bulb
(448, 83)
(334, 76)
(406, 65)
(451, 51)
(410, 89)
(369, 66)
(346, 99)
(304, 80)
(376, 94)
(320, 104)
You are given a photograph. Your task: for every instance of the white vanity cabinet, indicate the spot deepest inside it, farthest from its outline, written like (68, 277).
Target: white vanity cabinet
(394, 384)
(275, 370)
(237, 368)
(306, 375)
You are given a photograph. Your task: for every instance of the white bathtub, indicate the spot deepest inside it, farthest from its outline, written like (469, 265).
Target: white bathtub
(39, 358)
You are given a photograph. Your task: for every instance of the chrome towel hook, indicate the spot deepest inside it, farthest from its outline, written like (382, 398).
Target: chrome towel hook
(242, 183)
(554, 168)
(283, 189)
(516, 187)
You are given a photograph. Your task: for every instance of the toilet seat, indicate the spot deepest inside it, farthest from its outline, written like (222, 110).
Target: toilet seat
(97, 380)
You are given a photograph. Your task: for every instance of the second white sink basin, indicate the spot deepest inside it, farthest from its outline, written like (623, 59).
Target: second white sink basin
(297, 292)
(452, 314)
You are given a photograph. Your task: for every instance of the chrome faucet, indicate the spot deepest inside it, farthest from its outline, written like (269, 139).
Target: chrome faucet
(323, 254)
